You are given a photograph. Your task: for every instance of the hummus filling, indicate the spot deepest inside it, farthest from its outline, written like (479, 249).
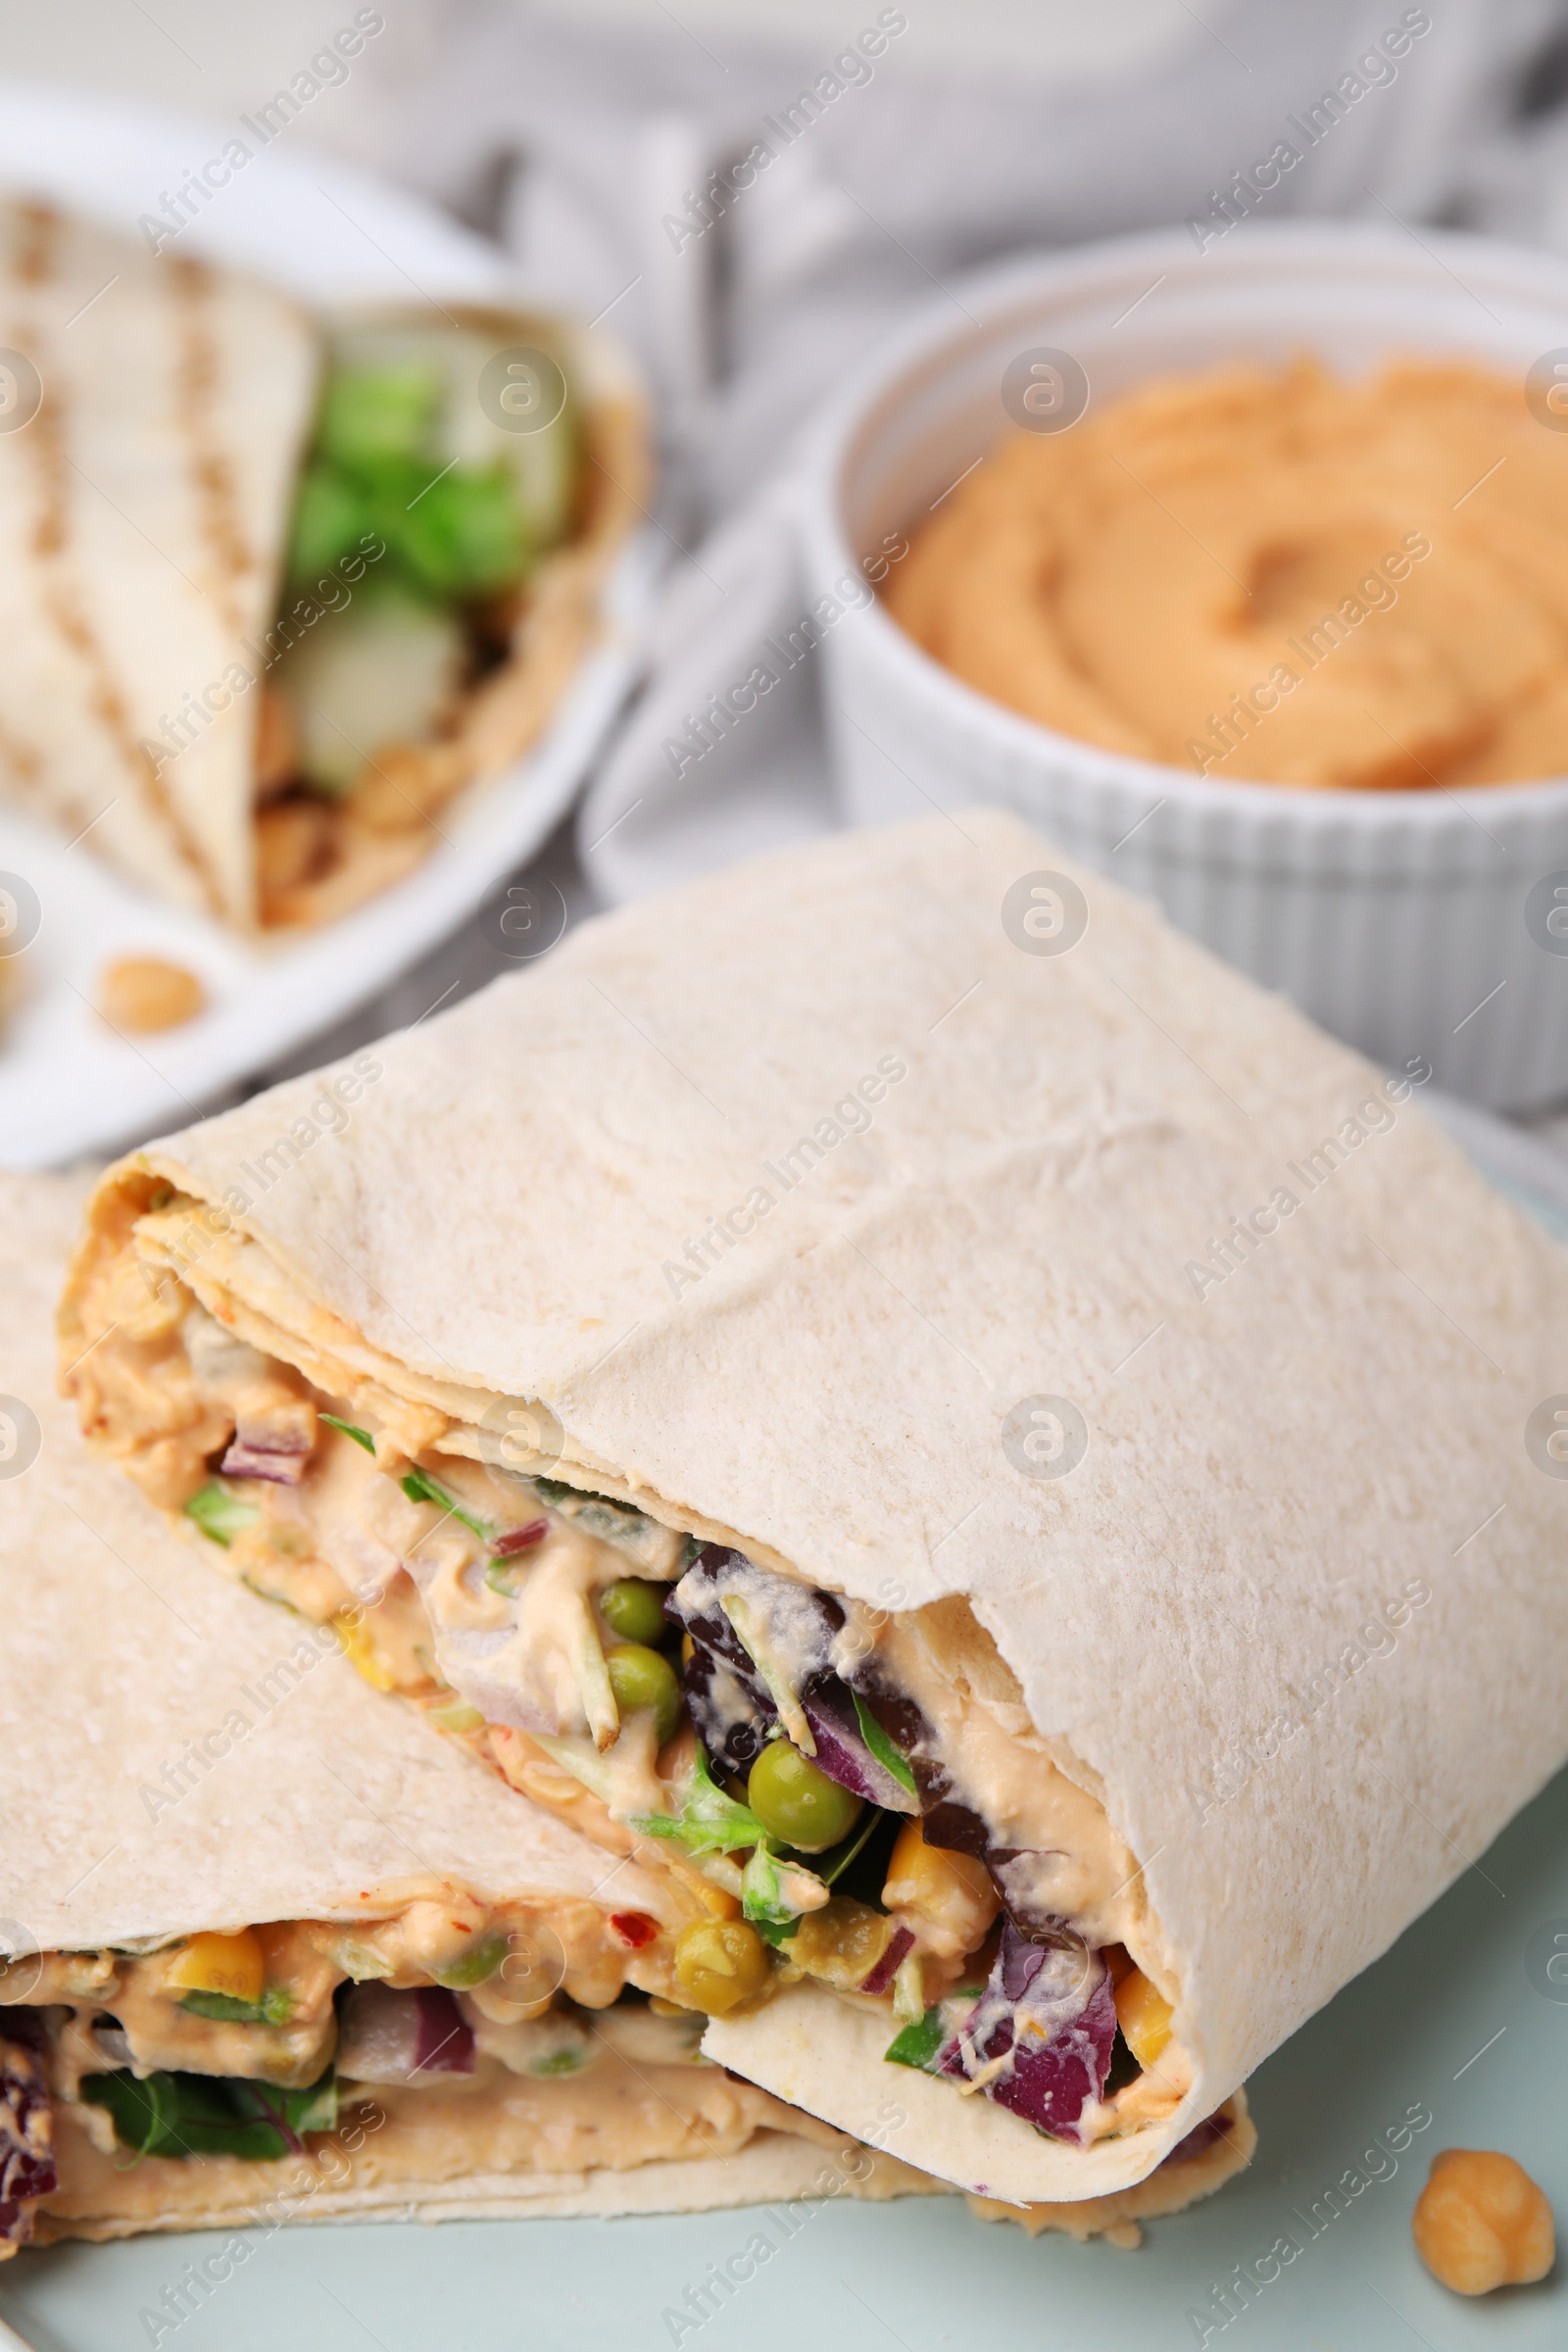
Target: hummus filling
(825, 1790)
(509, 2112)
(1271, 575)
(376, 2077)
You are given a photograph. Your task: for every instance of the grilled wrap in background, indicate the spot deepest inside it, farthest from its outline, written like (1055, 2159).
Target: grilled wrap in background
(297, 1958)
(276, 588)
(1059, 1418)
(144, 515)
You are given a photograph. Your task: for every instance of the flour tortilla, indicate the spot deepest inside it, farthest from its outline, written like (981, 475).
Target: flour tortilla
(143, 513)
(121, 1649)
(1027, 1214)
(120, 1652)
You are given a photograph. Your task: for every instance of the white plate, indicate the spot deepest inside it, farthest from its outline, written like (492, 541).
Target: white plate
(67, 1085)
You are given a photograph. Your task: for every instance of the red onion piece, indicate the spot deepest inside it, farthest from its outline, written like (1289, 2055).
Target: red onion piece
(1049, 2012)
(519, 1539)
(281, 1459)
(842, 1752)
(900, 1944)
(389, 2037)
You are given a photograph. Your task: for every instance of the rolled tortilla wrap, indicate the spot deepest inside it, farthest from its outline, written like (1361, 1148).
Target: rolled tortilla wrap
(190, 1785)
(1059, 1351)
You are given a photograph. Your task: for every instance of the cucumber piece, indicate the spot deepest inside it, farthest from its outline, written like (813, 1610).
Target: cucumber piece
(384, 669)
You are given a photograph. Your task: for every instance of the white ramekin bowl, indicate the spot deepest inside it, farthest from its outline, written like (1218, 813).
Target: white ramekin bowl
(1398, 919)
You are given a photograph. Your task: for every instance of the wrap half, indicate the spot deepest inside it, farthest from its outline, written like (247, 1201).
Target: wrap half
(276, 588)
(298, 1958)
(892, 1382)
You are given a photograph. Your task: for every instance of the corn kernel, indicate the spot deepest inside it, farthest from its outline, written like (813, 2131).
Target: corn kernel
(1143, 2016)
(230, 1964)
(354, 1640)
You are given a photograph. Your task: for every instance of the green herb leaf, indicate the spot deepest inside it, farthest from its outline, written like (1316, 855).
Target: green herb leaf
(761, 1897)
(361, 1437)
(708, 1822)
(892, 1759)
(765, 1892)
(180, 2115)
(221, 1513)
(420, 1486)
(274, 2008)
(556, 1491)
(917, 2046)
(607, 1513)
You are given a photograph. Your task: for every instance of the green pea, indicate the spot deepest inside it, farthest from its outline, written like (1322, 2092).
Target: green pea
(634, 1609)
(796, 1802)
(640, 1678)
(476, 1966)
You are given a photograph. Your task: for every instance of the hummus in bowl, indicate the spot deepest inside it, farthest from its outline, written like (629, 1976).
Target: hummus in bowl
(1296, 544)
(1271, 574)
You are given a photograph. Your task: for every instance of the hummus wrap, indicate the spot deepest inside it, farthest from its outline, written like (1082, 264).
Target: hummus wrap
(276, 587)
(193, 1787)
(892, 1384)
(298, 1958)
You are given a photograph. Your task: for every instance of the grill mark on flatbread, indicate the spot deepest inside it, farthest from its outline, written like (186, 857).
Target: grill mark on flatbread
(61, 597)
(24, 763)
(231, 558)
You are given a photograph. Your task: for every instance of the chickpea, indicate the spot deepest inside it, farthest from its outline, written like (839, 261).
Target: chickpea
(947, 1897)
(143, 992)
(721, 1963)
(1481, 2223)
(292, 842)
(840, 1943)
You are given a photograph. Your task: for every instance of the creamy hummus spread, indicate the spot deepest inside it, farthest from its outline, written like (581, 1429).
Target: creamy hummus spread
(1272, 576)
